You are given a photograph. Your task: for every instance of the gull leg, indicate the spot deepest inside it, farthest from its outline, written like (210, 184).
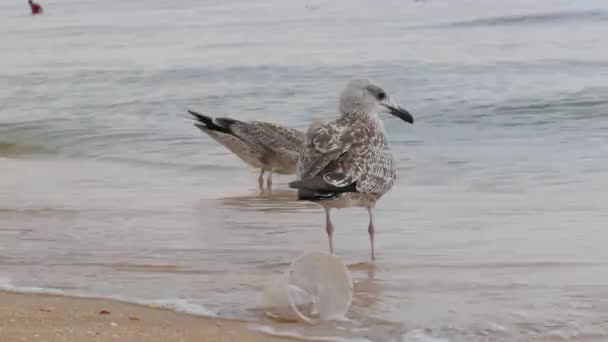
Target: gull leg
(269, 182)
(261, 181)
(329, 228)
(370, 230)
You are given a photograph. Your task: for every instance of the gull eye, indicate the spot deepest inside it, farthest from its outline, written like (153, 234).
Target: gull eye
(381, 95)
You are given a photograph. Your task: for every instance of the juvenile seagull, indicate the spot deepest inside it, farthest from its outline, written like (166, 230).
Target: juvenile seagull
(262, 145)
(348, 162)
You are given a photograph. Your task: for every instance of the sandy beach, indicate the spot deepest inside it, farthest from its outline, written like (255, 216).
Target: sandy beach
(39, 317)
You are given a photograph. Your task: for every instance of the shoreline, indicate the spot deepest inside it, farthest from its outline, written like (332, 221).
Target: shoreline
(51, 317)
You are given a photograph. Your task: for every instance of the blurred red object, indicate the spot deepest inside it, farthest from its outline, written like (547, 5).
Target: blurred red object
(36, 8)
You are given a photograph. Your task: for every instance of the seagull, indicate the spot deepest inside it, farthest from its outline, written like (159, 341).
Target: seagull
(262, 145)
(348, 162)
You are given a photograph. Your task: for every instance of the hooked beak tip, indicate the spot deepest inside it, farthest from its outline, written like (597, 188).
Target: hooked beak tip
(401, 113)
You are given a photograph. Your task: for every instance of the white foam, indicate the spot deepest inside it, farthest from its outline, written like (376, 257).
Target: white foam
(6, 285)
(174, 304)
(296, 335)
(495, 327)
(417, 335)
(180, 305)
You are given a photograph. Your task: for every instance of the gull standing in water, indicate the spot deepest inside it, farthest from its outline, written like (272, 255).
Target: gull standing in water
(262, 145)
(348, 162)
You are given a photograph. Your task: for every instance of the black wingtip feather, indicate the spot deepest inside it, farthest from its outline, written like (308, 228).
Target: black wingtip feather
(294, 184)
(226, 122)
(314, 190)
(204, 121)
(304, 195)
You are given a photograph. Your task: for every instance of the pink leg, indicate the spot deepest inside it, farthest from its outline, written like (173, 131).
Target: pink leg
(269, 182)
(261, 181)
(329, 228)
(370, 230)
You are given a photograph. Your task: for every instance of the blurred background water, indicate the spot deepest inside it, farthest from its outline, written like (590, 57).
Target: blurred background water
(495, 230)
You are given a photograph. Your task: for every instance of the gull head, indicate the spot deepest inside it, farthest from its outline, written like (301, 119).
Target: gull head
(362, 97)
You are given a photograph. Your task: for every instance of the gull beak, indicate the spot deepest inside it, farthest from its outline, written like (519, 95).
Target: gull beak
(398, 112)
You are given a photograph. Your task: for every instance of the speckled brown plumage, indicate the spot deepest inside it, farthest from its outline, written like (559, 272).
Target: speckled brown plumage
(263, 145)
(348, 162)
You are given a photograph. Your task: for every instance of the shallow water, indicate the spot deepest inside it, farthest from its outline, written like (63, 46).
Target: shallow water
(495, 230)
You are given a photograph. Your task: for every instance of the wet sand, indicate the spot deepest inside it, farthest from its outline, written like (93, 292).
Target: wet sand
(39, 317)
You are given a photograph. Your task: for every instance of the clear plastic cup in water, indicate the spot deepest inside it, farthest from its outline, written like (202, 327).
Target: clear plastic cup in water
(317, 286)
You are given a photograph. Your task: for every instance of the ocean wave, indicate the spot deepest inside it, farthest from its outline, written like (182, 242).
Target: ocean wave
(559, 104)
(417, 335)
(108, 148)
(299, 336)
(536, 111)
(174, 304)
(541, 18)
(192, 166)
(12, 149)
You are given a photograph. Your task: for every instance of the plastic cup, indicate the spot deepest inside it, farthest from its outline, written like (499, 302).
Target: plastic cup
(317, 286)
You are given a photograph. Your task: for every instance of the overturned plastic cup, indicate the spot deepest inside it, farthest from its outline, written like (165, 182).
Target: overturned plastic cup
(316, 287)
